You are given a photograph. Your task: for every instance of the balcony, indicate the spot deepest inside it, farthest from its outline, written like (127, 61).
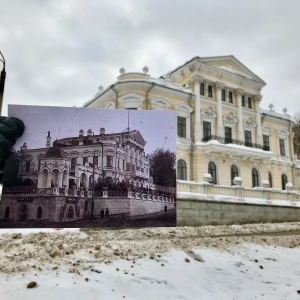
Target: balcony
(226, 140)
(231, 148)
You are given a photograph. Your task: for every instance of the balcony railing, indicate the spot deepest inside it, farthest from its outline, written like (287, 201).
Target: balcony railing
(225, 140)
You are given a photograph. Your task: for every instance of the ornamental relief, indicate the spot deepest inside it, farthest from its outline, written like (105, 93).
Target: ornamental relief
(209, 113)
(249, 122)
(230, 118)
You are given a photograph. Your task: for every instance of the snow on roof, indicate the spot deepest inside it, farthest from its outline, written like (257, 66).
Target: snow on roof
(275, 114)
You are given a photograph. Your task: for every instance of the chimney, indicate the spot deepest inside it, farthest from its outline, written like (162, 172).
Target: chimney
(48, 140)
(81, 132)
(89, 132)
(102, 131)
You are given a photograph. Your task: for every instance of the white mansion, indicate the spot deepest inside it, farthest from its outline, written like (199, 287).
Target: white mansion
(221, 128)
(73, 162)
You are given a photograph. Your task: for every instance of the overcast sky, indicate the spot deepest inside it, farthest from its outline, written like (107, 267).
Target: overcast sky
(59, 52)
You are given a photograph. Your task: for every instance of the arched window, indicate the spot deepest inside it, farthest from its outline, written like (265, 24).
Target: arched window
(284, 181)
(212, 170)
(255, 180)
(270, 179)
(39, 213)
(23, 212)
(234, 173)
(7, 212)
(181, 170)
(70, 212)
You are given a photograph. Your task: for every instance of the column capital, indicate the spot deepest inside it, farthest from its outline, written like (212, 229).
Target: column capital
(197, 77)
(240, 92)
(257, 97)
(220, 85)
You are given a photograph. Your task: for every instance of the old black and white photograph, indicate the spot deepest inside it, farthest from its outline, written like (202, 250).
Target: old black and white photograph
(87, 167)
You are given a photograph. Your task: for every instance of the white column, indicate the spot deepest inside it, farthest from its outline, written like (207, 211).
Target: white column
(197, 125)
(259, 137)
(241, 135)
(49, 178)
(60, 180)
(292, 134)
(220, 128)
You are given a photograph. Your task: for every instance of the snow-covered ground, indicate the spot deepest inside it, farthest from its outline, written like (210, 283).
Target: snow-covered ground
(205, 262)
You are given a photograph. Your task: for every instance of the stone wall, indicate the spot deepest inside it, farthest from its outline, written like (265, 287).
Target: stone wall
(194, 212)
(134, 206)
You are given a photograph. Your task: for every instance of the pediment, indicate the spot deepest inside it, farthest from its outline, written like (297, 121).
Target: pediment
(183, 107)
(226, 63)
(131, 97)
(160, 101)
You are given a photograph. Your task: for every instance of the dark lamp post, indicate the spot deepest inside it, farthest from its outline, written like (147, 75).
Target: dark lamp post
(2, 81)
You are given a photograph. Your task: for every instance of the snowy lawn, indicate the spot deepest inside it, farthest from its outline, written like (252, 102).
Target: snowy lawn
(151, 263)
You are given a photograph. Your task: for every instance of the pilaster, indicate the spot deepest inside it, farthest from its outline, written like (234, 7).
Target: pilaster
(241, 136)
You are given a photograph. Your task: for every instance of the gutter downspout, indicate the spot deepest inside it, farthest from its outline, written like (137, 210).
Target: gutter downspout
(191, 152)
(147, 94)
(117, 96)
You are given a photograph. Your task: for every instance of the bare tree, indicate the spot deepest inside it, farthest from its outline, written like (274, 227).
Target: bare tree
(296, 131)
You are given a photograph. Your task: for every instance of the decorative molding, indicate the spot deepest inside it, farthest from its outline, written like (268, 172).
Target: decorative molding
(257, 97)
(230, 118)
(197, 77)
(240, 92)
(220, 85)
(209, 113)
(160, 103)
(249, 122)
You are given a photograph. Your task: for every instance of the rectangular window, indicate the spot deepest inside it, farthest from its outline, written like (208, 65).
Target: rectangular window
(223, 95)
(243, 100)
(266, 143)
(27, 166)
(210, 91)
(181, 127)
(228, 135)
(202, 88)
(109, 161)
(230, 95)
(282, 147)
(248, 138)
(84, 160)
(73, 163)
(96, 161)
(249, 102)
(206, 131)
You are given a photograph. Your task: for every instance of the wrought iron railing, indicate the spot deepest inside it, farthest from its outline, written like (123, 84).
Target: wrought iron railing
(226, 140)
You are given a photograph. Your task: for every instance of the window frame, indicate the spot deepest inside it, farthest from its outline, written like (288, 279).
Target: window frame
(181, 127)
(212, 170)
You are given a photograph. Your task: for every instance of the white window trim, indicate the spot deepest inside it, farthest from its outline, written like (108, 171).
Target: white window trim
(160, 103)
(283, 134)
(184, 110)
(131, 100)
(268, 130)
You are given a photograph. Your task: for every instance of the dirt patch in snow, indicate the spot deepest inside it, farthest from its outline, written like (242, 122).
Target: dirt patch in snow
(78, 251)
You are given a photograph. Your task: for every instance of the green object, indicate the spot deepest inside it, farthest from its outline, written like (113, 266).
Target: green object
(10, 130)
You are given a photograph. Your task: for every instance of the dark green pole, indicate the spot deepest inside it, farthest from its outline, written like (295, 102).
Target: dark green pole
(2, 81)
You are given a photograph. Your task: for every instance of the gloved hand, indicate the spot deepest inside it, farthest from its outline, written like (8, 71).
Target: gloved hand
(10, 130)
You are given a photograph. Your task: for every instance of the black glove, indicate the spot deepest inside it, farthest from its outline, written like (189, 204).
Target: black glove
(10, 130)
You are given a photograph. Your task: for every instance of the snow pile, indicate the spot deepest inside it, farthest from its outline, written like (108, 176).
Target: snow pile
(209, 262)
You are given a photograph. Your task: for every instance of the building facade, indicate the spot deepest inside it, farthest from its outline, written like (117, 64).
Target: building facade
(63, 178)
(221, 127)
